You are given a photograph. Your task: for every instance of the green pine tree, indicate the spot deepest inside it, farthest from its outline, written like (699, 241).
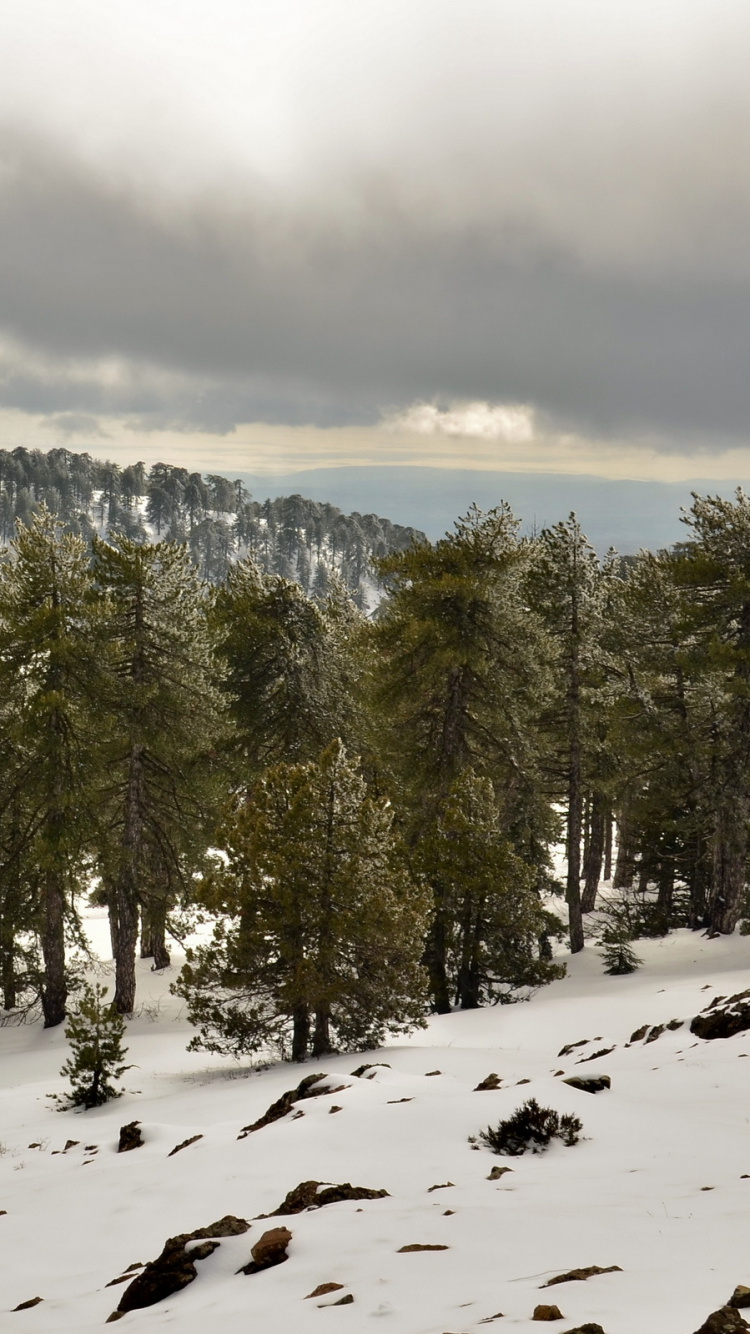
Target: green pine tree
(568, 589)
(320, 931)
(493, 914)
(160, 722)
(95, 1032)
(288, 667)
(458, 676)
(50, 679)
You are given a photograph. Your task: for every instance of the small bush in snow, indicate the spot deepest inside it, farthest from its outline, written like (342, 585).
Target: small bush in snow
(531, 1128)
(95, 1032)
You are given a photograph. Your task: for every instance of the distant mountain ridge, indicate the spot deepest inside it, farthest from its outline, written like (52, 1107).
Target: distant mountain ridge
(217, 518)
(628, 514)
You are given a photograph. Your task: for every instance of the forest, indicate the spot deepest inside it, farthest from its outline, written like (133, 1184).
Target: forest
(358, 813)
(217, 519)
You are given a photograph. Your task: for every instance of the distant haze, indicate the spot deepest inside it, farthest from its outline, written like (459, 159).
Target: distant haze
(626, 515)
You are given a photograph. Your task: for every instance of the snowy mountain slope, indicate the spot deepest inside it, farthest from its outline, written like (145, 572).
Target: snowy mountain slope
(634, 1192)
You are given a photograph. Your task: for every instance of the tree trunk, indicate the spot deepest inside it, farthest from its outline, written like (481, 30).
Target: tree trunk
(435, 961)
(592, 863)
(153, 935)
(625, 863)
(300, 1032)
(696, 876)
(575, 791)
(607, 872)
(54, 988)
(125, 889)
(321, 1043)
(666, 887)
(7, 961)
(729, 862)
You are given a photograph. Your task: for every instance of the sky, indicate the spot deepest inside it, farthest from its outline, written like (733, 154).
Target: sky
(279, 235)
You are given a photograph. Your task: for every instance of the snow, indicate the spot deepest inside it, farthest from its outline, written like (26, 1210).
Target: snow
(632, 1193)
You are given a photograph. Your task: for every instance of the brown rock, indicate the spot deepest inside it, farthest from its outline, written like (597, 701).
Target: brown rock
(727, 1320)
(579, 1275)
(307, 1088)
(442, 1186)
(415, 1246)
(589, 1328)
(360, 1070)
(595, 1055)
(184, 1145)
(269, 1250)
(130, 1137)
(491, 1082)
(322, 1289)
(566, 1051)
(175, 1268)
(498, 1172)
(590, 1083)
(25, 1306)
(724, 1017)
(316, 1194)
(547, 1313)
(740, 1297)
(342, 1301)
(430, 1073)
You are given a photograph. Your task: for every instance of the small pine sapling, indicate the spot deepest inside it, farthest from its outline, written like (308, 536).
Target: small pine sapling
(533, 1128)
(95, 1032)
(618, 955)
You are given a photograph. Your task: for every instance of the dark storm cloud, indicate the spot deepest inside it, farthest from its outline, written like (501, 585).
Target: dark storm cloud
(213, 313)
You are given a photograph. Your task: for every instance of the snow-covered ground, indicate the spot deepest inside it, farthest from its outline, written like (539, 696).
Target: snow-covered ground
(657, 1184)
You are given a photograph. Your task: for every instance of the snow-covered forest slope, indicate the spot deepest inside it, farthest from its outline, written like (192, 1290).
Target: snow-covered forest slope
(218, 519)
(656, 1185)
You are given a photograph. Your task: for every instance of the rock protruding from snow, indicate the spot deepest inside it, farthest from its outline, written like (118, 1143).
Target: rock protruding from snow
(727, 1320)
(316, 1194)
(268, 1251)
(740, 1297)
(547, 1313)
(323, 1289)
(175, 1268)
(185, 1144)
(580, 1275)
(488, 1084)
(130, 1137)
(725, 1016)
(307, 1088)
(589, 1084)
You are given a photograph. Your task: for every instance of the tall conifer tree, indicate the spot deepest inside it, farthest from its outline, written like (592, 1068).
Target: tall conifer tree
(160, 723)
(321, 928)
(50, 669)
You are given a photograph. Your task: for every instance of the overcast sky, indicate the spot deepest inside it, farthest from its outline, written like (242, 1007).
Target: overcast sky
(275, 234)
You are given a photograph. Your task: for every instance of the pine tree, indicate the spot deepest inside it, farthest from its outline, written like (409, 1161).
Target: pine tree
(287, 668)
(458, 685)
(493, 914)
(160, 722)
(95, 1032)
(50, 672)
(567, 589)
(713, 569)
(321, 929)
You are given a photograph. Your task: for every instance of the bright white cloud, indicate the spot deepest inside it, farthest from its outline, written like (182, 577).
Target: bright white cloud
(512, 423)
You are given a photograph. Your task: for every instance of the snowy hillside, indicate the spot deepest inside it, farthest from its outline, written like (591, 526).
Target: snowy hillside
(657, 1185)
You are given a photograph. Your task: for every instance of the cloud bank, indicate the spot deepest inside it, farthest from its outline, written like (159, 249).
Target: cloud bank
(310, 215)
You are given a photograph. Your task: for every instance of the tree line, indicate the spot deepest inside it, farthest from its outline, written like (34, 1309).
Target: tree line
(363, 812)
(217, 519)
